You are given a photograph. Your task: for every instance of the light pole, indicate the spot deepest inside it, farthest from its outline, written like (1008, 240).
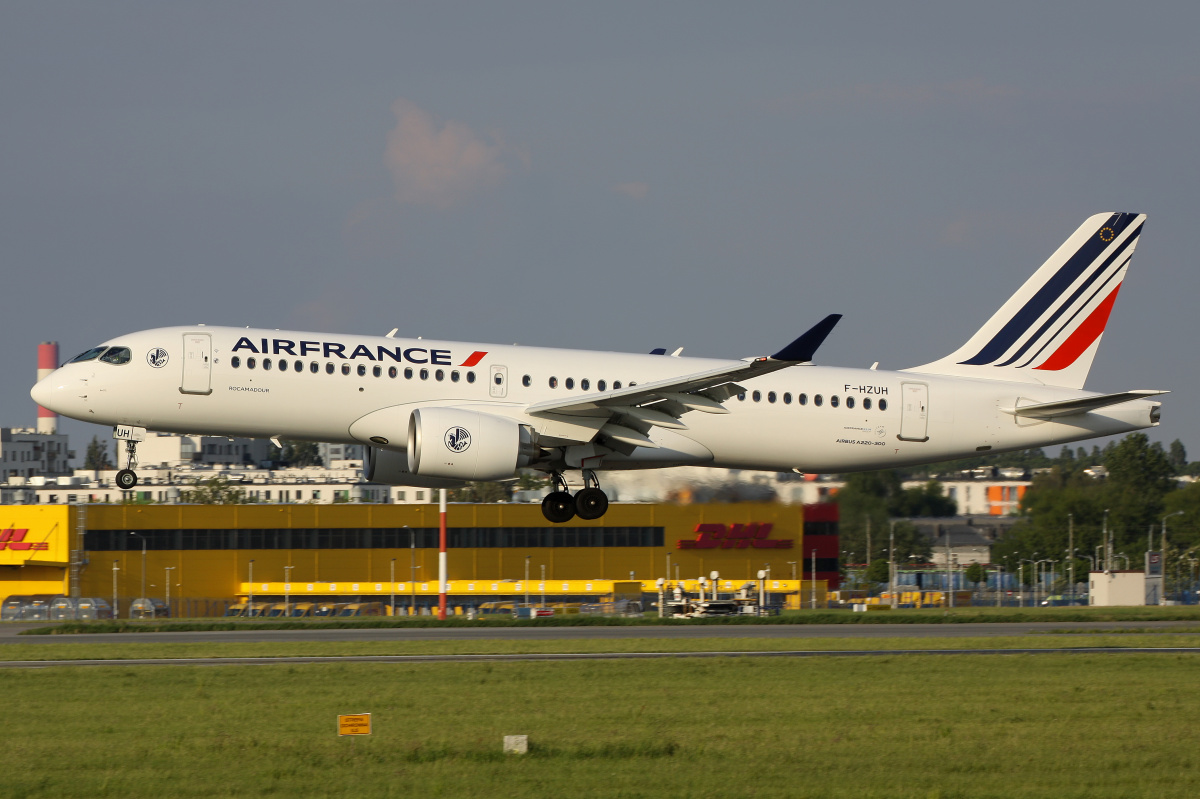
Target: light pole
(250, 593)
(167, 580)
(392, 578)
(116, 608)
(1107, 544)
(892, 563)
(412, 570)
(143, 538)
(287, 589)
(1162, 539)
(527, 557)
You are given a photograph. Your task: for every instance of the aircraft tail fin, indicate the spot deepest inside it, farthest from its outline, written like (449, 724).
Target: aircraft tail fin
(1049, 331)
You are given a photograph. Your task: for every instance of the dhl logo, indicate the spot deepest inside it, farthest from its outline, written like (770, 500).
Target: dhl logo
(15, 540)
(734, 536)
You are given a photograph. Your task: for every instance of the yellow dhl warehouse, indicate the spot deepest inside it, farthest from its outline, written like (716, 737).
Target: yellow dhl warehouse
(205, 557)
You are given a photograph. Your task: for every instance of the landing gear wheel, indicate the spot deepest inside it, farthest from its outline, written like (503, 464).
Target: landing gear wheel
(558, 507)
(126, 479)
(591, 503)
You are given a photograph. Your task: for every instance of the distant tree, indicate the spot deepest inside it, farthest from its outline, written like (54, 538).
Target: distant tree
(976, 573)
(479, 492)
(300, 453)
(1177, 455)
(97, 455)
(213, 491)
(878, 571)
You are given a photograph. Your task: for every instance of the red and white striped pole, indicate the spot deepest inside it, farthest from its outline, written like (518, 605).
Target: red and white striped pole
(442, 553)
(47, 421)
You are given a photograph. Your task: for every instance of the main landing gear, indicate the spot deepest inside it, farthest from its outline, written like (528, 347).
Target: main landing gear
(588, 503)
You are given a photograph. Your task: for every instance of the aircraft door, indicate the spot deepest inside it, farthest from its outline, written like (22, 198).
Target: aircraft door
(197, 364)
(499, 382)
(914, 412)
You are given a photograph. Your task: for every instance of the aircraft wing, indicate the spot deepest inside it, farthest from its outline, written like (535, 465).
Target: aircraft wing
(624, 417)
(1050, 410)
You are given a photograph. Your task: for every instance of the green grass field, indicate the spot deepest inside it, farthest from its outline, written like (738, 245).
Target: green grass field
(890, 726)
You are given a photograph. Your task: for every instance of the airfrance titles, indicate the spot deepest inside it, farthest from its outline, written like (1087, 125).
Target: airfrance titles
(333, 349)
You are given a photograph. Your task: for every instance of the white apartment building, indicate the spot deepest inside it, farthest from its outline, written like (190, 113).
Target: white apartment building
(26, 453)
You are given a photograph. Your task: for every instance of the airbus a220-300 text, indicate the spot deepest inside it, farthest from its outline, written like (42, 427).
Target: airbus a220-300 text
(438, 414)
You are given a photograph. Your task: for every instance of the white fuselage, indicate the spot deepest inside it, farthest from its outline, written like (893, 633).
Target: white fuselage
(865, 419)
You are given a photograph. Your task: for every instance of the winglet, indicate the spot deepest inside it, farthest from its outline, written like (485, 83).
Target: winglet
(803, 348)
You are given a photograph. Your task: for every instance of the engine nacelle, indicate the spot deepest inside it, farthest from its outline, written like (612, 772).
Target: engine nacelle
(463, 444)
(391, 468)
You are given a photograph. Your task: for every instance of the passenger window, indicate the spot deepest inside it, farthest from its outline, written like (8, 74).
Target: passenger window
(554, 382)
(883, 405)
(440, 375)
(282, 365)
(849, 402)
(454, 377)
(470, 377)
(802, 399)
(616, 385)
(362, 370)
(817, 400)
(867, 404)
(329, 369)
(392, 372)
(345, 368)
(377, 371)
(756, 396)
(742, 397)
(601, 385)
(424, 374)
(314, 367)
(299, 366)
(570, 382)
(585, 384)
(770, 396)
(117, 356)
(408, 373)
(90, 355)
(787, 398)
(267, 364)
(251, 362)
(833, 401)
(527, 381)
(235, 362)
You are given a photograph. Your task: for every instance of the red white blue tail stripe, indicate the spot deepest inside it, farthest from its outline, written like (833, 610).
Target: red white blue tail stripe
(1049, 330)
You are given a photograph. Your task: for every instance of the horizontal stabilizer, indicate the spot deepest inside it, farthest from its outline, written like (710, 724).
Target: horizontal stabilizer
(804, 348)
(1050, 410)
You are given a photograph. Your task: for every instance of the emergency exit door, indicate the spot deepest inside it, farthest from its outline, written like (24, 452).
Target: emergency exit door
(197, 364)
(914, 412)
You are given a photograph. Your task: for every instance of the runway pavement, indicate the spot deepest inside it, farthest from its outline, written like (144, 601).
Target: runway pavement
(9, 632)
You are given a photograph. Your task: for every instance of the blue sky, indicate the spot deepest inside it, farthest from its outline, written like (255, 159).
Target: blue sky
(616, 176)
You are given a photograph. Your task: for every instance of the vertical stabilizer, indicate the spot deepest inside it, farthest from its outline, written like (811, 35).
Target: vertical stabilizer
(1049, 331)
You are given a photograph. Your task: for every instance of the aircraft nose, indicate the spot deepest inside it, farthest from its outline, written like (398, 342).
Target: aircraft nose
(47, 391)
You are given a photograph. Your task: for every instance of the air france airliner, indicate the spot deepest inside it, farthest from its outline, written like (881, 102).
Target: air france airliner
(441, 413)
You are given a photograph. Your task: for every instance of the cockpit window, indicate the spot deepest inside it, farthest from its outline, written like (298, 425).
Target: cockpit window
(116, 355)
(90, 355)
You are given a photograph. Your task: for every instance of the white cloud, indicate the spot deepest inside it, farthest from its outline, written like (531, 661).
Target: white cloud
(440, 166)
(635, 189)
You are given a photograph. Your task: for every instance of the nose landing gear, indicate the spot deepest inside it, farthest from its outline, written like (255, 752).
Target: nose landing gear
(589, 503)
(127, 477)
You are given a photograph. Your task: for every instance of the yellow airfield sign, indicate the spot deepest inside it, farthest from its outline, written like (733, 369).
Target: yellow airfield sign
(358, 724)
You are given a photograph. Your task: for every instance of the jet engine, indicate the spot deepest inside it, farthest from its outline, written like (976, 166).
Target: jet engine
(391, 468)
(464, 444)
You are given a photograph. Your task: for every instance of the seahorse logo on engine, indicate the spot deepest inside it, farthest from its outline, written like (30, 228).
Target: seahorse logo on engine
(457, 439)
